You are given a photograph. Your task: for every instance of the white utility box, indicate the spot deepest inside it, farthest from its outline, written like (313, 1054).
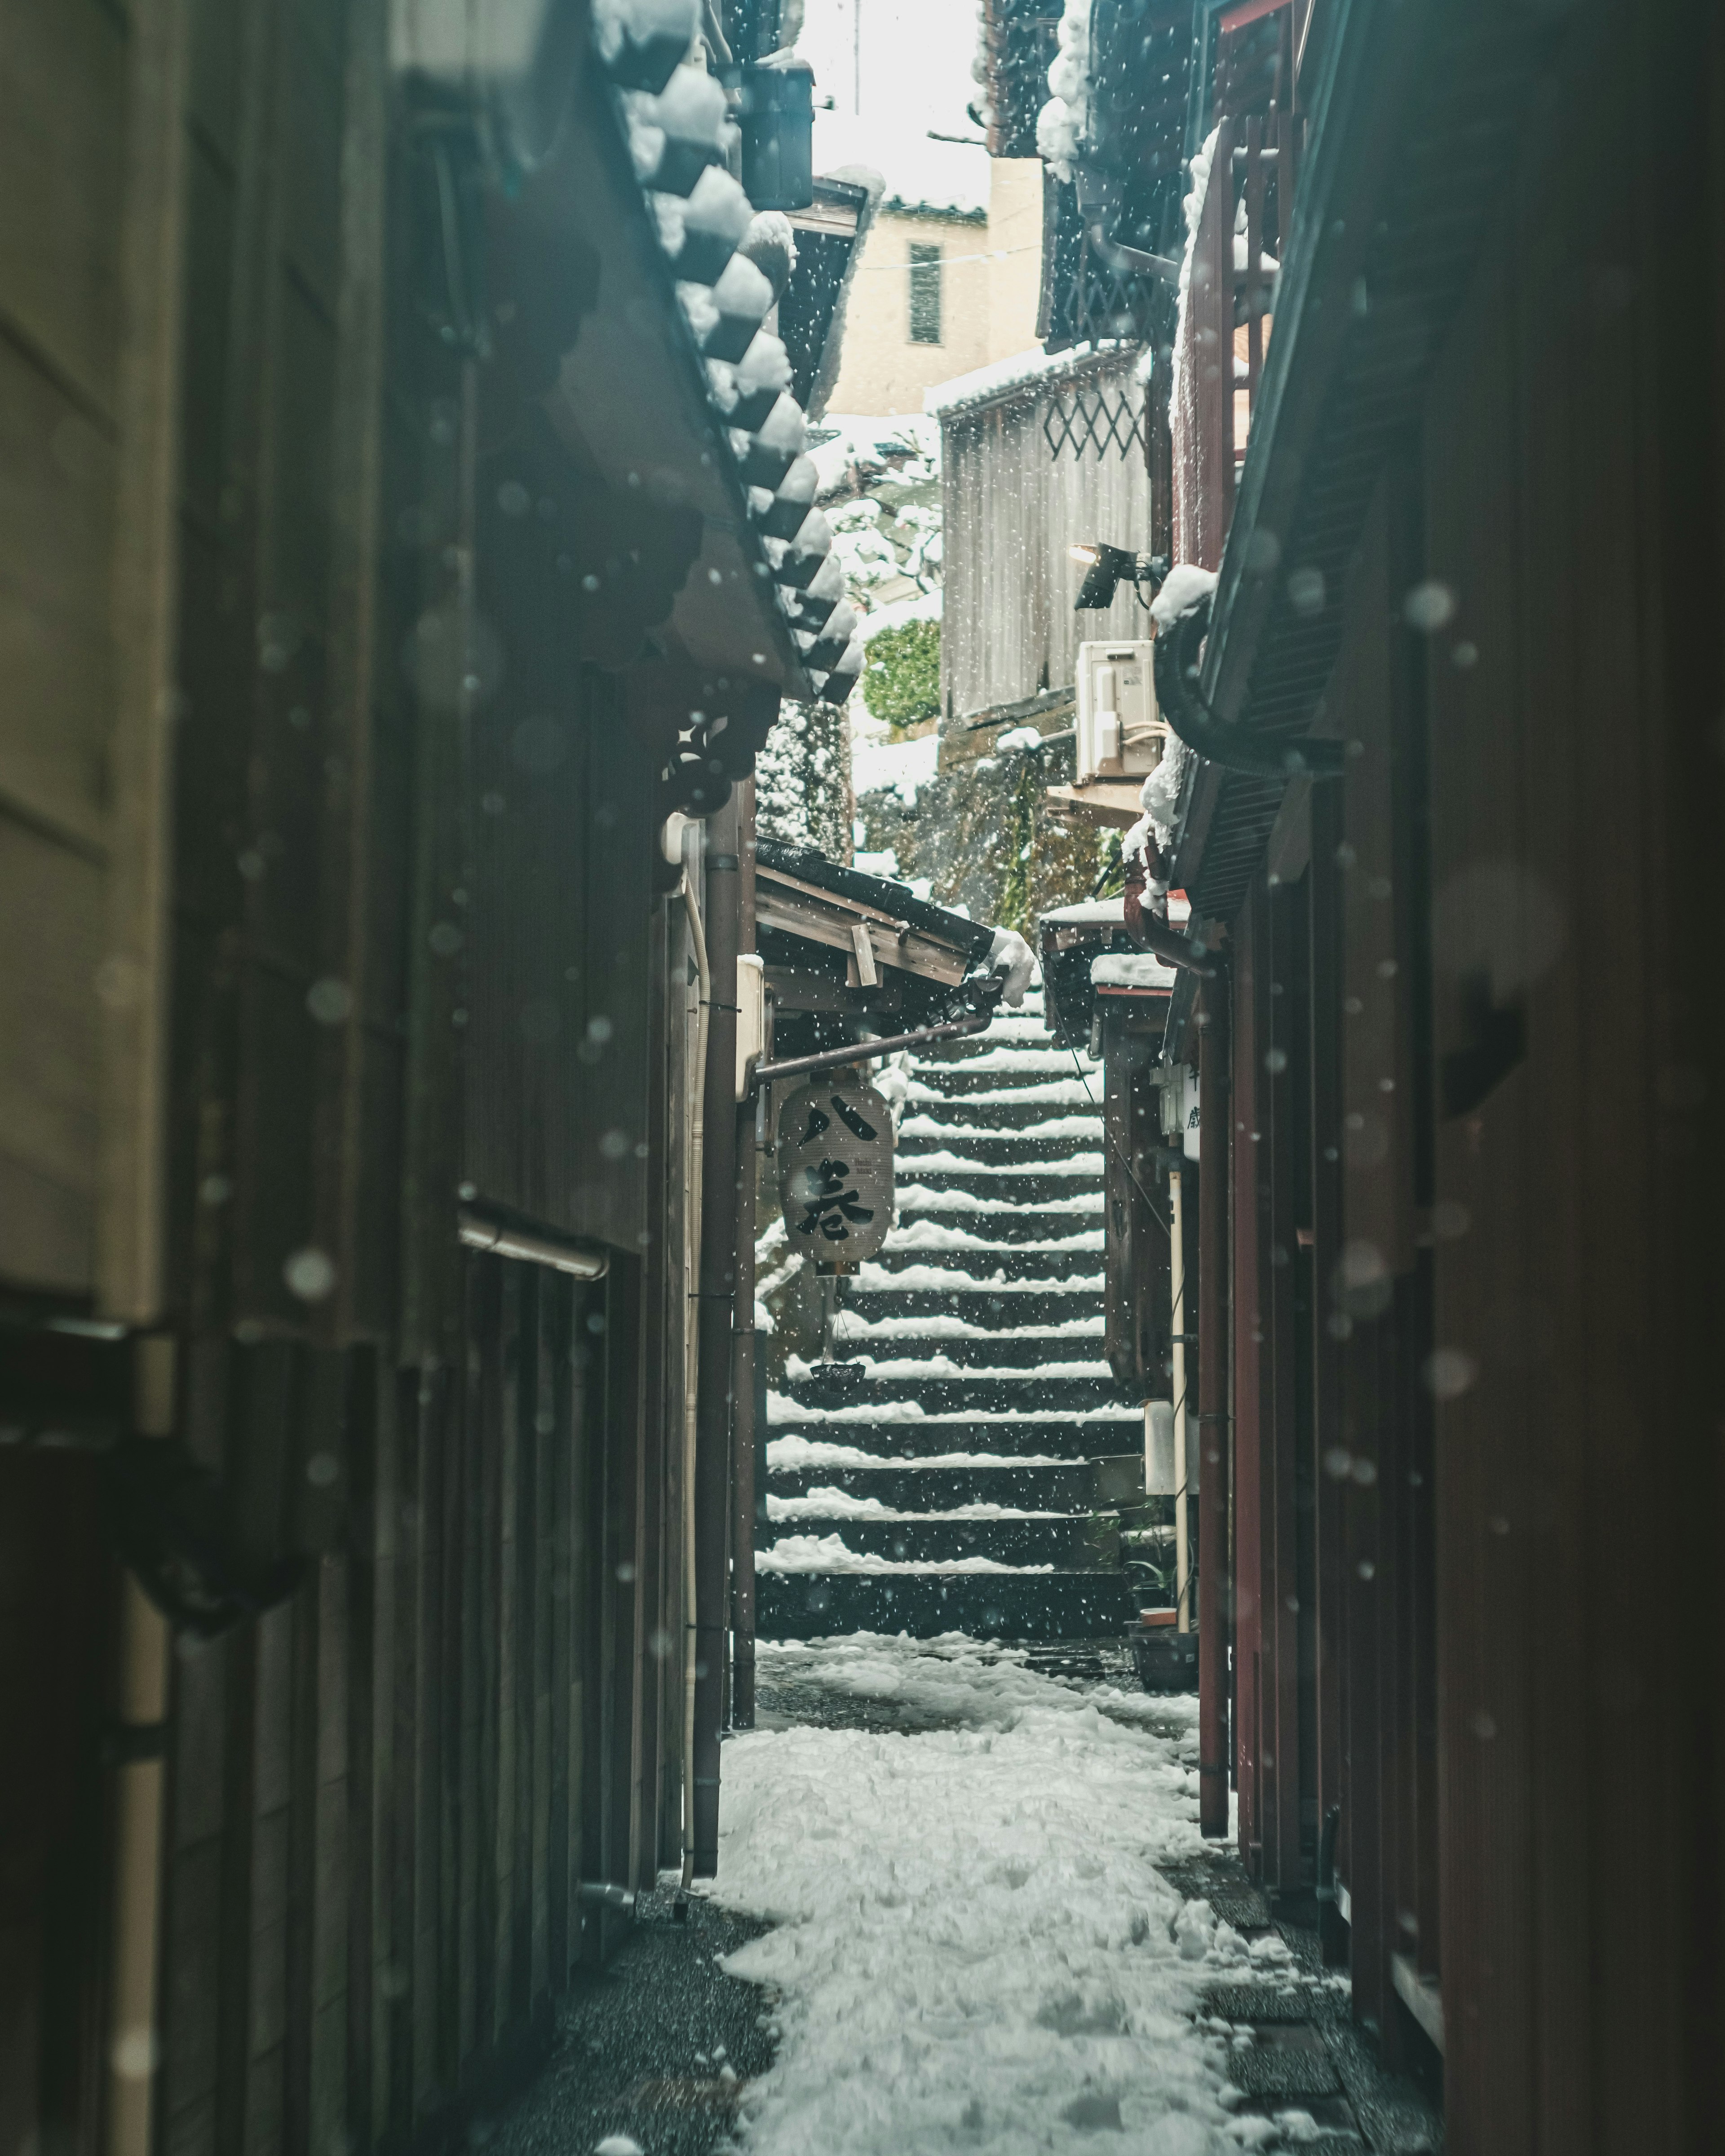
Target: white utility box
(1120, 735)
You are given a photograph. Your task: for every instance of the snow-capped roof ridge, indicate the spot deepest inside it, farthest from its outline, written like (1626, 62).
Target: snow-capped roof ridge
(1019, 372)
(676, 118)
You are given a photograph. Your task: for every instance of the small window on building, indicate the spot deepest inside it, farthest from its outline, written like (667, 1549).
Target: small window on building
(925, 293)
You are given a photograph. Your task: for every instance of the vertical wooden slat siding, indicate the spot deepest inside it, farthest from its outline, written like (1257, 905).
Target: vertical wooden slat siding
(348, 953)
(1216, 1543)
(1483, 1306)
(541, 1527)
(1515, 1413)
(374, 1900)
(560, 1402)
(661, 1526)
(131, 1247)
(497, 1855)
(1246, 1485)
(1009, 629)
(1323, 1004)
(1282, 1123)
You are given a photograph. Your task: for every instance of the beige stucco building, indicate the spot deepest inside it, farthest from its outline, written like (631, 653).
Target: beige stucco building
(941, 291)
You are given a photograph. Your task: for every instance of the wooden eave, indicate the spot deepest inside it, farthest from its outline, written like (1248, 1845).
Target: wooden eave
(1416, 121)
(1111, 804)
(785, 902)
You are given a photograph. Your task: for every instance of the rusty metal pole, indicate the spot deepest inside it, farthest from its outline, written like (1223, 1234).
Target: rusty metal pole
(718, 1292)
(742, 1361)
(1213, 1419)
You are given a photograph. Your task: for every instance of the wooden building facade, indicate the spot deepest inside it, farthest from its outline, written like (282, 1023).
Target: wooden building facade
(1460, 1306)
(379, 575)
(1028, 471)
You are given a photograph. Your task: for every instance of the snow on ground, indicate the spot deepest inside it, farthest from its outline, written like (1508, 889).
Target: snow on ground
(972, 1946)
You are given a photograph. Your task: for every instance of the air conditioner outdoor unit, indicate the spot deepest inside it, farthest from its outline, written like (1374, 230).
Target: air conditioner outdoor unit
(1120, 735)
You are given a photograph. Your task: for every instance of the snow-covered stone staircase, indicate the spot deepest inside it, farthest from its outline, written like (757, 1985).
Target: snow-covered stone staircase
(938, 1477)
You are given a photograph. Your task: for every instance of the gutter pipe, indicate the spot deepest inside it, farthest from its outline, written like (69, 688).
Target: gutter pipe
(478, 1232)
(1182, 1552)
(742, 1339)
(864, 1051)
(1230, 747)
(714, 1306)
(695, 1084)
(1214, 1422)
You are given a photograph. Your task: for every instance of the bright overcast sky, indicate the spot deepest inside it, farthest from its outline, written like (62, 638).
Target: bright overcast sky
(915, 75)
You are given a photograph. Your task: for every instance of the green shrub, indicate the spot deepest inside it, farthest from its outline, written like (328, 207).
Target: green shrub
(901, 680)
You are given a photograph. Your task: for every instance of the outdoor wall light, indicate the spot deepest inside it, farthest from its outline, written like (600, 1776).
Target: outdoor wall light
(1107, 566)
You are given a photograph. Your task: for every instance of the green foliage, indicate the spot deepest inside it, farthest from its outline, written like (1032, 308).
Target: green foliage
(901, 680)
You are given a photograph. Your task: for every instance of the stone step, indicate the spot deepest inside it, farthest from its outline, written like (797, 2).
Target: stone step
(881, 1335)
(977, 1392)
(1010, 1114)
(940, 1086)
(1001, 1605)
(1032, 1183)
(992, 1264)
(1067, 1487)
(1000, 1305)
(1017, 1228)
(1008, 1150)
(1001, 1351)
(1007, 1060)
(1084, 1544)
(1008, 1435)
(988, 1211)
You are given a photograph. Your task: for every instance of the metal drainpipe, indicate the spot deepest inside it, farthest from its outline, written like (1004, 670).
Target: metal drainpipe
(742, 1381)
(716, 1303)
(140, 1803)
(694, 1149)
(1215, 1428)
(1177, 1251)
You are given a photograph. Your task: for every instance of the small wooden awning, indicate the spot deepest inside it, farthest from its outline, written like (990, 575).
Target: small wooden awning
(875, 922)
(1108, 804)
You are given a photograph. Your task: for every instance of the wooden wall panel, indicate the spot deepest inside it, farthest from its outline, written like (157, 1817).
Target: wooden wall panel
(378, 1789)
(1249, 1194)
(1009, 629)
(51, 900)
(56, 482)
(1562, 467)
(62, 95)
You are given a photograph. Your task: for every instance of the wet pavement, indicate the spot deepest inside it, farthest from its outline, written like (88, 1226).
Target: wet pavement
(654, 2050)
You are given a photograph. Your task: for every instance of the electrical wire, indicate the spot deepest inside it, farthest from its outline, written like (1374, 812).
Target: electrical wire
(1132, 1172)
